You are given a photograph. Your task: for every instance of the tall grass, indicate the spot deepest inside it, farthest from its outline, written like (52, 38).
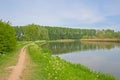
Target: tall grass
(47, 67)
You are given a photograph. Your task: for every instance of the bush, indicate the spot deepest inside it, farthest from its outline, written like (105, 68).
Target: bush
(7, 37)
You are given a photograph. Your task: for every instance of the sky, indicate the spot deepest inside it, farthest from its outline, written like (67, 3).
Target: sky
(87, 14)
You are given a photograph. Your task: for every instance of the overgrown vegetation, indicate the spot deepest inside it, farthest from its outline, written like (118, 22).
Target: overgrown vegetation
(7, 37)
(47, 67)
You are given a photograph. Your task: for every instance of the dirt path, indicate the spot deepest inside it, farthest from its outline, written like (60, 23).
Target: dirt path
(18, 69)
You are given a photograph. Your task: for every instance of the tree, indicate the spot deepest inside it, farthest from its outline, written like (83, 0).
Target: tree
(109, 33)
(7, 37)
(31, 32)
(100, 34)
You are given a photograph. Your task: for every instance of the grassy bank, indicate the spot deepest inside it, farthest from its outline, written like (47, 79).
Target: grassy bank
(101, 40)
(8, 60)
(47, 67)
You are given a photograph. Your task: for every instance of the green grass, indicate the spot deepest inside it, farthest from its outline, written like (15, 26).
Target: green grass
(9, 59)
(47, 67)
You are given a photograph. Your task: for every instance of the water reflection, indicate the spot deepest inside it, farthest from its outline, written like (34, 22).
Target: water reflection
(66, 47)
(99, 56)
(103, 60)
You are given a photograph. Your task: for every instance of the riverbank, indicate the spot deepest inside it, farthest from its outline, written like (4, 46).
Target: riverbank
(47, 67)
(65, 40)
(101, 40)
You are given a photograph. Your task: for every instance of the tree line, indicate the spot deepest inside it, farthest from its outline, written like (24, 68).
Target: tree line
(70, 33)
(34, 32)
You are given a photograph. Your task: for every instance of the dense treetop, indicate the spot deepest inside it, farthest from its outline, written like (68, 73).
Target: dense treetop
(31, 32)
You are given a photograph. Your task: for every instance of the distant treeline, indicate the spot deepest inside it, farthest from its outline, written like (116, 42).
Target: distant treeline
(70, 33)
(34, 32)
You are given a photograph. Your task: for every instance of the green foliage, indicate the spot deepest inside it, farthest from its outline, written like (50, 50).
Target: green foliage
(117, 34)
(68, 33)
(7, 37)
(31, 32)
(56, 33)
(34, 32)
(106, 34)
(48, 67)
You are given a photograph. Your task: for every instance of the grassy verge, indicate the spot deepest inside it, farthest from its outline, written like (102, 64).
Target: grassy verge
(8, 60)
(101, 40)
(47, 67)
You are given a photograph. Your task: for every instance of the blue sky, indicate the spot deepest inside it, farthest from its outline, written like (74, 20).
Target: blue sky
(97, 14)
